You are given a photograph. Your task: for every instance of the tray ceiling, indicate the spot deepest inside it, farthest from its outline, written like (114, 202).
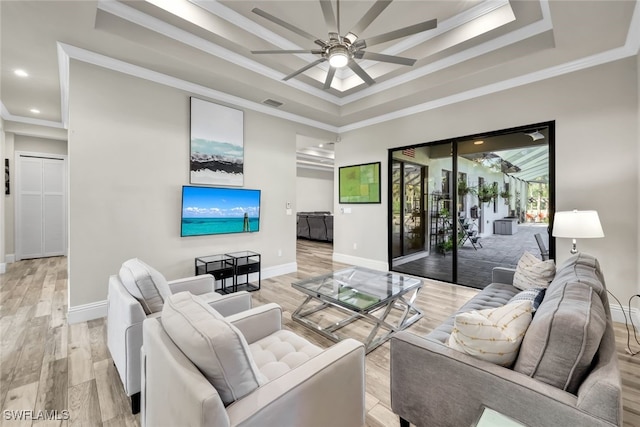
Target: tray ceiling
(203, 46)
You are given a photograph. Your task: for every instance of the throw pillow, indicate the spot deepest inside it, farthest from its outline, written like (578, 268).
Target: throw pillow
(564, 337)
(216, 347)
(535, 295)
(532, 272)
(145, 283)
(492, 334)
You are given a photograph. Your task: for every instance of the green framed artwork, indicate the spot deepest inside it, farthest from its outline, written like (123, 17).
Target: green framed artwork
(359, 183)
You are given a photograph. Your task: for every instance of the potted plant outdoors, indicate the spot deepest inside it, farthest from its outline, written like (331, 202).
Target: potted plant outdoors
(506, 196)
(445, 246)
(486, 193)
(464, 189)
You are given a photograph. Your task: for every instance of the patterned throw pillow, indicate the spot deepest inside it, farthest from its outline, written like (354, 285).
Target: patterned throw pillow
(493, 334)
(535, 295)
(531, 272)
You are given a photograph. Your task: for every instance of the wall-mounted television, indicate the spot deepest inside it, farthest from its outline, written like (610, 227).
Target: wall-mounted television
(216, 210)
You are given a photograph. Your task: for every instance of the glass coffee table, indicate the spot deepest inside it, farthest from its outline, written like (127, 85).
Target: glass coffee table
(364, 294)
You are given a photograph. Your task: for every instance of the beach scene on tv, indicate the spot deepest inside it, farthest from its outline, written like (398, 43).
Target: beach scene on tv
(207, 210)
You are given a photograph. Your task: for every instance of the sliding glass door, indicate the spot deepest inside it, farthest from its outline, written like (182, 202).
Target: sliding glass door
(456, 220)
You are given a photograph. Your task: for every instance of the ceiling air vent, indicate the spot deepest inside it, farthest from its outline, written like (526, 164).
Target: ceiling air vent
(272, 103)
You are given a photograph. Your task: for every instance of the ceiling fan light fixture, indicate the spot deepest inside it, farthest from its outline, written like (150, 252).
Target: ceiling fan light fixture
(338, 56)
(351, 37)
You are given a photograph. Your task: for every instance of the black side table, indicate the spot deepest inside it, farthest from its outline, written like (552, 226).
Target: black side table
(221, 267)
(245, 263)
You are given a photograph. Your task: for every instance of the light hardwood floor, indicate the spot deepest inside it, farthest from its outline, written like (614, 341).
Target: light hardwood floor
(47, 364)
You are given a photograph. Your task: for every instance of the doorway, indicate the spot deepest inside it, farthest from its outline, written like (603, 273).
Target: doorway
(484, 200)
(41, 201)
(409, 188)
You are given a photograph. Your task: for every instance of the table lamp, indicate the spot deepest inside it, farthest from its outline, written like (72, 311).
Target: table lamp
(577, 224)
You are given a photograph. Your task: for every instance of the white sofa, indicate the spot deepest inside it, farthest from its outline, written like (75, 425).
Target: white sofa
(271, 376)
(138, 292)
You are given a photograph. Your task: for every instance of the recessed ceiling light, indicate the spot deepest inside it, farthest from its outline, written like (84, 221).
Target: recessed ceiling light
(320, 145)
(35, 111)
(21, 73)
(478, 142)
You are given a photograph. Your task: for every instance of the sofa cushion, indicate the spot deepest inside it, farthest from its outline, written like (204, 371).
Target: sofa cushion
(492, 334)
(145, 284)
(280, 352)
(582, 268)
(494, 295)
(216, 347)
(531, 272)
(564, 336)
(535, 295)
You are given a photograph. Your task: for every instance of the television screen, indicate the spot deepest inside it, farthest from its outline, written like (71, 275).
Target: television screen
(211, 210)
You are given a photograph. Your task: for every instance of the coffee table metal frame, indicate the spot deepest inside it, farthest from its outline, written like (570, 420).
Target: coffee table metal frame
(376, 314)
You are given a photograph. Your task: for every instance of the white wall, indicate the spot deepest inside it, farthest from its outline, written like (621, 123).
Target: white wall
(8, 207)
(637, 300)
(596, 114)
(314, 190)
(3, 263)
(129, 157)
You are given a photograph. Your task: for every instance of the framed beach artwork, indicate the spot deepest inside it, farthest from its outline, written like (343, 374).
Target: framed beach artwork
(359, 183)
(217, 144)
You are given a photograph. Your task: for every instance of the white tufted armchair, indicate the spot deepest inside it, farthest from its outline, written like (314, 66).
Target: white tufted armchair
(200, 369)
(137, 292)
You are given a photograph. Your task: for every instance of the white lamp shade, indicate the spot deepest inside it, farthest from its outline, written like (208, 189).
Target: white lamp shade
(577, 225)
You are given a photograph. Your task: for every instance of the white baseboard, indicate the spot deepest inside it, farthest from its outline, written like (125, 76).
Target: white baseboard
(3, 268)
(96, 310)
(278, 270)
(361, 262)
(10, 258)
(86, 312)
(618, 315)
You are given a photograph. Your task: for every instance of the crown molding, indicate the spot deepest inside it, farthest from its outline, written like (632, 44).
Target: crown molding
(132, 15)
(516, 36)
(63, 72)
(73, 52)
(240, 21)
(6, 115)
(216, 8)
(569, 67)
(66, 52)
(633, 36)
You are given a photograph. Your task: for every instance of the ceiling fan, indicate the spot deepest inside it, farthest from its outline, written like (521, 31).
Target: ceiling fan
(342, 51)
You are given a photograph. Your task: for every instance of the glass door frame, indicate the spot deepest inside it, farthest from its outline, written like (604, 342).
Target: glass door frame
(454, 173)
(423, 185)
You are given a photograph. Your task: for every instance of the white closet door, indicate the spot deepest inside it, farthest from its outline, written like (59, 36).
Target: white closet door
(30, 207)
(40, 214)
(53, 201)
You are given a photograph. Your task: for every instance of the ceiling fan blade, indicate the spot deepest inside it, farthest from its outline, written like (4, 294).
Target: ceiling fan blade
(360, 72)
(370, 16)
(329, 17)
(305, 68)
(317, 51)
(330, 74)
(384, 58)
(284, 24)
(402, 32)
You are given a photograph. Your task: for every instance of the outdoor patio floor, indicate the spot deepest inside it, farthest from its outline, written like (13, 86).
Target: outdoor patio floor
(475, 266)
